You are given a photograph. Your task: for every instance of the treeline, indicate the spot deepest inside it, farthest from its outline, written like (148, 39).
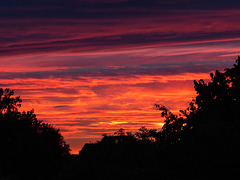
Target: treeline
(201, 142)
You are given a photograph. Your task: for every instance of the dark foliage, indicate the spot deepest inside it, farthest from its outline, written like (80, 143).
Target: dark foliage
(29, 148)
(201, 142)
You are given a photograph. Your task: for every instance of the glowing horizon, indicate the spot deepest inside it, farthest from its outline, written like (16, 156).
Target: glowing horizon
(91, 67)
(87, 108)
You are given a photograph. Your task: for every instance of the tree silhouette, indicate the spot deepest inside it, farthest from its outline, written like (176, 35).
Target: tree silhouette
(176, 128)
(217, 100)
(221, 93)
(201, 142)
(27, 145)
(120, 132)
(146, 135)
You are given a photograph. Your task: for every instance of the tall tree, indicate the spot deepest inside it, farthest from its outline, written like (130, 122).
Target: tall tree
(217, 103)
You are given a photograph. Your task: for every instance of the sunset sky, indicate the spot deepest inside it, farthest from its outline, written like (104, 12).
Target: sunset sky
(91, 67)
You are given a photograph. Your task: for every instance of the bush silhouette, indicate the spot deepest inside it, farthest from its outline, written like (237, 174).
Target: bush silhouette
(28, 147)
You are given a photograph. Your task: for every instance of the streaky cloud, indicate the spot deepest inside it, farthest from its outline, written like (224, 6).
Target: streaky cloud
(143, 69)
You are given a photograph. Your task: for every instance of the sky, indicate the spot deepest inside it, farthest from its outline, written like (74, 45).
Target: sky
(90, 67)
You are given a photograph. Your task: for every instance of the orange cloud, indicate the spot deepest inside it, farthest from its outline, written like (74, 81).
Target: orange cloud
(84, 109)
(96, 69)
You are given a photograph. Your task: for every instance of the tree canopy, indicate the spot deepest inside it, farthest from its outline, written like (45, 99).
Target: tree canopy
(201, 142)
(217, 102)
(28, 146)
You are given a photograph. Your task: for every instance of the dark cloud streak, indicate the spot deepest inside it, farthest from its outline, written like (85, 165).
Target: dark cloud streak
(41, 27)
(144, 69)
(121, 41)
